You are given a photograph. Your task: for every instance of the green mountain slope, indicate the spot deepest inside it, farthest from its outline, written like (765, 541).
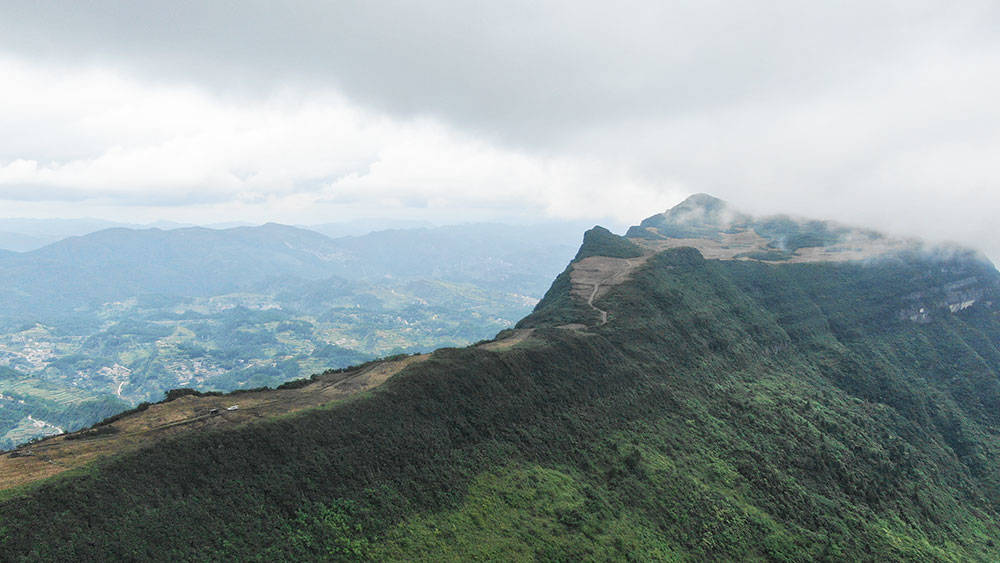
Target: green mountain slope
(727, 409)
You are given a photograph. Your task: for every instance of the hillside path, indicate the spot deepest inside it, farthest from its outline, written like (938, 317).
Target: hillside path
(607, 272)
(590, 302)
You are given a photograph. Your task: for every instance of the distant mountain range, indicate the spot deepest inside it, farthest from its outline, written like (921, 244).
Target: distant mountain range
(78, 273)
(360, 227)
(24, 235)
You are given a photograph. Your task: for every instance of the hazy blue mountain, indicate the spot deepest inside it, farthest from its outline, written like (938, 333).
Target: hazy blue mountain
(361, 227)
(56, 227)
(79, 273)
(20, 242)
(519, 258)
(115, 264)
(24, 235)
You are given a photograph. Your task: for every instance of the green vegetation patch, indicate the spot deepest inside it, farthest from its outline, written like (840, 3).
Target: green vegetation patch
(525, 513)
(727, 411)
(602, 242)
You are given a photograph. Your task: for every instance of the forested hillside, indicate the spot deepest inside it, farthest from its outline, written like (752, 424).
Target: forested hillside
(732, 409)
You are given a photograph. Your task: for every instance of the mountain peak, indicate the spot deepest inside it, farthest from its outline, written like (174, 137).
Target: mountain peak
(719, 230)
(702, 200)
(700, 215)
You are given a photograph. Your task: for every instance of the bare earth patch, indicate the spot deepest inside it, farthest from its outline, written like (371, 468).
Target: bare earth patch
(733, 246)
(518, 336)
(592, 277)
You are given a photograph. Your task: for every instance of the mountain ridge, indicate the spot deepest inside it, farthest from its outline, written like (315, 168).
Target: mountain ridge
(726, 409)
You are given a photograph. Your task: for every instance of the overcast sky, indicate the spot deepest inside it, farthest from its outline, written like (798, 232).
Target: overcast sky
(879, 113)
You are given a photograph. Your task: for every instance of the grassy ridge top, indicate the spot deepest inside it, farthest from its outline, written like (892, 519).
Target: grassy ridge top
(602, 242)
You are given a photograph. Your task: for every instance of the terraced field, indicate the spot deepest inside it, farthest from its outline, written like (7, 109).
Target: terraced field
(35, 388)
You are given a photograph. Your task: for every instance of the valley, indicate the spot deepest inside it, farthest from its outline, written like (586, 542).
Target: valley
(135, 352)
(76, 358)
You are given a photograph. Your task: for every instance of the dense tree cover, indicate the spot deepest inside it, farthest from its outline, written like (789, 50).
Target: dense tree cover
(602, 242)
(728, 410)
(558, 307)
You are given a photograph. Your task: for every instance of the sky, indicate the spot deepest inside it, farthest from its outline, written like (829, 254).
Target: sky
(882, 114)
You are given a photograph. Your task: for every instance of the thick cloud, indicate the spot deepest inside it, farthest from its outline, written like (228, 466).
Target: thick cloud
(876, 112)
(524, 70)
(120, 142)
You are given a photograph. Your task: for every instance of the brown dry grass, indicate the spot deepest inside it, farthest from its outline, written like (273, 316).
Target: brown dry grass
(601, 272)
(731, 245)
(516, 337)
(593, 276)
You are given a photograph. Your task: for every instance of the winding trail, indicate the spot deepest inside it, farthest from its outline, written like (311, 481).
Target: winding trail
(614, 279)
(590, 301)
